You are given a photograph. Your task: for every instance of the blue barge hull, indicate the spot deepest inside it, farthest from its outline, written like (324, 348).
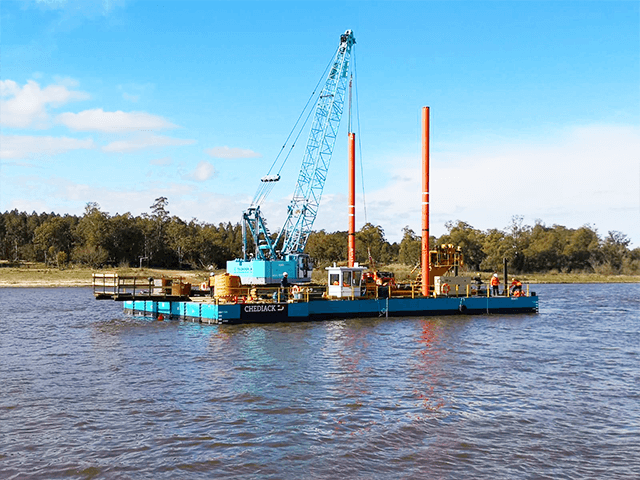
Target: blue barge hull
(254, 312)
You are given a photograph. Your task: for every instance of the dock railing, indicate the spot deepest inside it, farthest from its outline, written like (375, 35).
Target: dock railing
(122, 287)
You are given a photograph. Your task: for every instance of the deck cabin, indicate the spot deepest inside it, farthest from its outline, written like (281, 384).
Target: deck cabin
(345, 282)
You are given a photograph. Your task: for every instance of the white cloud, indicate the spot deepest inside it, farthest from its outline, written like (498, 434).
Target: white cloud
(19, 146)
(66, 81)
(132, 92)
(119, 121)
(186, 200)
(203, 171)
(584, 175)
(26, 106)
(230, 153)
(144, 141)
(113, 200)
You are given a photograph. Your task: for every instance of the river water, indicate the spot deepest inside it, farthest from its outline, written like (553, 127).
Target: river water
(88, 392)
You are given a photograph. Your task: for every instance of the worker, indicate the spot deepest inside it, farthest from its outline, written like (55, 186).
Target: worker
(284, 287)
(284, 283)
(516, 286)
(495, 282)
(478, 281)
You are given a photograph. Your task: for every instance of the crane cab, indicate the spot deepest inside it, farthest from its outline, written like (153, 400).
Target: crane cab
(345, 282)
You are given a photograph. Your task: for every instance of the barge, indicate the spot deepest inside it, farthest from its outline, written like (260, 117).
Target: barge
(249, 291)
(251, 312)
(351, 291)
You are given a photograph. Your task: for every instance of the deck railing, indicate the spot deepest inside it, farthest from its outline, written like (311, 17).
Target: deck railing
(120, 287)
(114, 285)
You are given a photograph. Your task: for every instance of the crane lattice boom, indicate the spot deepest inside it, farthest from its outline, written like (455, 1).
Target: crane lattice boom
(317, 155)
(285, 253)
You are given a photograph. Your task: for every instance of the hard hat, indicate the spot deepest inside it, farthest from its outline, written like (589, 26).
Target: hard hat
(495, 274)
(285, 274)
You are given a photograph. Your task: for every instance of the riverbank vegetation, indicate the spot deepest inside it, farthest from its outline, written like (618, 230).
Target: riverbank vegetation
(98, 240)
(34, 274)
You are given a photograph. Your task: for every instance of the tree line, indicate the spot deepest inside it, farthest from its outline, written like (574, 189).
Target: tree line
(156, 239)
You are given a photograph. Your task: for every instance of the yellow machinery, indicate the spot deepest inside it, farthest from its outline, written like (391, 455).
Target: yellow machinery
(228, 287)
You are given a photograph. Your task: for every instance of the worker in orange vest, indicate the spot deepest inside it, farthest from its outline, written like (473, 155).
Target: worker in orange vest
(495, 281)
(516, 286)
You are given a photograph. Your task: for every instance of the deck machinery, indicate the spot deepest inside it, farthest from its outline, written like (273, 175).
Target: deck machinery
(270, 257)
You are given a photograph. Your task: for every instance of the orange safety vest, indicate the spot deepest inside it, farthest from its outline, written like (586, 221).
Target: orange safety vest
(495, 281)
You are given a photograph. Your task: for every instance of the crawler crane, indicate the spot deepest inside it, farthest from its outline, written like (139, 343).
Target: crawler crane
(271, 258)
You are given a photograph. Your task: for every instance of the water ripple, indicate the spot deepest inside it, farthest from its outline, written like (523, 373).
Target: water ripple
(87, 392)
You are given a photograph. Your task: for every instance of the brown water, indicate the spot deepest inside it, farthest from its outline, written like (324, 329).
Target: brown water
(87, 392)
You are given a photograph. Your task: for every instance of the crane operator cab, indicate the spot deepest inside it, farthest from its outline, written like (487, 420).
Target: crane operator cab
(303, 266)
(345, 282)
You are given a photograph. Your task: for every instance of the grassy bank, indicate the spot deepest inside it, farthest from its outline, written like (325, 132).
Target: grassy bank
(37, 275)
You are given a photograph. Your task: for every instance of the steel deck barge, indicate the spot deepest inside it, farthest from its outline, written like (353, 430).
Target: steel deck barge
(255, 312)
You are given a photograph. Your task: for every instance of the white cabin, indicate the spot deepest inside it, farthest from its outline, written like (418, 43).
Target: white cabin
(345, 282)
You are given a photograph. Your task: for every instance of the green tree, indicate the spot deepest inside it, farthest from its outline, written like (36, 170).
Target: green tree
(469, 239)
(544, 249)
(181, 239)
(17, 234)
(92, 231)
(56, 235)
(370, 242)
(29, 250)
(614, 251)
(582, 250)
(495, 247)
(125, 240)
(4, 248)
(631, 264)
(325, 248)
(61, 259)
(518, 239)
(213, 245)
(410, 252)
(153, 228)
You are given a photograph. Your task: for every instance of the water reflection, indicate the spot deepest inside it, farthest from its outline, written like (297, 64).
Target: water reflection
(346, 349)
(428, 371)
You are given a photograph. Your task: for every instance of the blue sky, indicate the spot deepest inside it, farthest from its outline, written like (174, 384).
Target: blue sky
(535, 108)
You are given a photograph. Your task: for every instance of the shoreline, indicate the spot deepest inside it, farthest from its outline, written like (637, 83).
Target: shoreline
(40, 277)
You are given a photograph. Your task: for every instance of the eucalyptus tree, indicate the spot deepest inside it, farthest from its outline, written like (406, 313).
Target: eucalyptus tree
(372, 245)
(92, 231)
(56, 235)
(410, 250)
(469, 239)
(325, 248)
